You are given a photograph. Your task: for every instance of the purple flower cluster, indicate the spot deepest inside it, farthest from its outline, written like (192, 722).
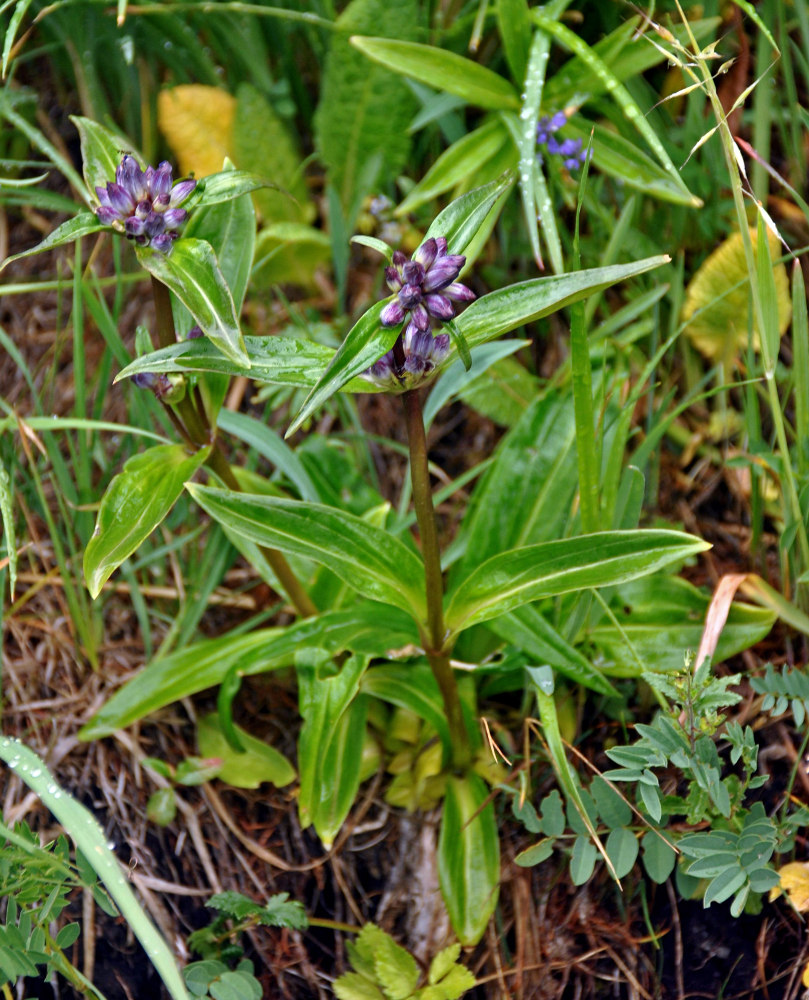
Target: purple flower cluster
(143, 204)
(426, 290)
(570, 150)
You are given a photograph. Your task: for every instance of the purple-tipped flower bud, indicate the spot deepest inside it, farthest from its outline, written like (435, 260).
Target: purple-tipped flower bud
(426, 253)
(417, 284)
(143, 205)
(195, 333)
(392, 314)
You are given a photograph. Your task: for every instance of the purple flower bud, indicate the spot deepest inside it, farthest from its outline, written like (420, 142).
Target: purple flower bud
(195, 333)
(458, 292)
(570, 147)
(393, 279)
(161, 181)
(443, 272)
(410, 296)
(439, 306)
(106, 215)
(120, 199)
(399, 258)
(554, 146)
(440, 347)
(413, 272)
(174, 217)
(420, 317)
(135, 226)
(558, 120)
(163, 242)
(415, 364)
(392, 314)
(441, 245)
(181, 191)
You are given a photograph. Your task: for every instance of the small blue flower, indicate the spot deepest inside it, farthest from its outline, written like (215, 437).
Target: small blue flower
(569, 150)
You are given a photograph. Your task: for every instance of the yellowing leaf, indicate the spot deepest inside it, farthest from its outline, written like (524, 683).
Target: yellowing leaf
(718, 318)
(197, 122)
(795, 883)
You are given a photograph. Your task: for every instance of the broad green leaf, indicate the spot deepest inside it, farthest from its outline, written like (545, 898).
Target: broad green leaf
(192, 272)
(83, 224)
(101, 152)
(527, 494)
(279, 360)
(528, 630)
(364, 110)
(330, 745)
(468, 857)
(502, 311)
(259, 762)
(367, 627)
(456, 164)
(225, 185)
(411, 686)
(91, 840)
(622, 849)
(659, 619)
(264, 440)
(526, 574)
(460, 221)
(617, 156)
(442, 70)
(536, 854)
(135, 503)
(365, 557)
(514, 25)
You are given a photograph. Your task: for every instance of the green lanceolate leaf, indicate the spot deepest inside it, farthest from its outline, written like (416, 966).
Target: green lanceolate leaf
(101, 152)
(369, 628)
(9, 532)
(468, 857)
(441, 70)
(528, 630)
(457, 164)
(83, 224)
(279, 360)
(363, 556)
(330, 745)
(522, 575)
(365, 343)
(227, 185)
(504, 310)
(514, 25)
(92, 842)
(192, 272)
(135, 503)
(460, 221)
(411, 686)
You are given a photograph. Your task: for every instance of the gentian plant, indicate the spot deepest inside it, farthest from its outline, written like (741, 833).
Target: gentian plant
(394, 637)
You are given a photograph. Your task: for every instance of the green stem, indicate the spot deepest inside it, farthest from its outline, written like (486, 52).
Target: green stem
(435, 637)
(192, 423)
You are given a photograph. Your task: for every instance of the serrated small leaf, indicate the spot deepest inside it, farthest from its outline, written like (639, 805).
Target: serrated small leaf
(443, 962)
(352, 986)
(396, 970)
